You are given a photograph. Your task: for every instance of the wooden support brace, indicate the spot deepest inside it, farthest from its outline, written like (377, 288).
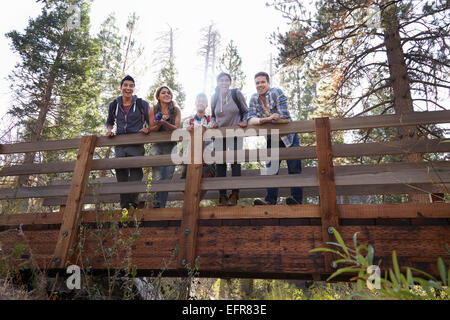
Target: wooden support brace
(72, 210)
(328, 205)
(189, 223)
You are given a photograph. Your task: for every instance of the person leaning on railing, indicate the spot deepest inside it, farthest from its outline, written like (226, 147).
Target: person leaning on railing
(130, 115)
(200, 119)
(269, 105)
(228, 109)
(164, 116)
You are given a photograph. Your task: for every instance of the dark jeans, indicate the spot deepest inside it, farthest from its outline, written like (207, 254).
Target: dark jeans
(294, 167)
(162, 173)
(221, 169)
(132, 174)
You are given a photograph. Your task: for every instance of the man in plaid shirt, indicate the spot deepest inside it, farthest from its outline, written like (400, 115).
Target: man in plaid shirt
(269, 105)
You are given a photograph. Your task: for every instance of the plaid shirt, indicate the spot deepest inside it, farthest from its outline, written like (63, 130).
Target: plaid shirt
(276, 103)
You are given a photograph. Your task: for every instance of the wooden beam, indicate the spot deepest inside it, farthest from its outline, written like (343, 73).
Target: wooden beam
(71, 216)
(346, 211)
(282, 192)
(261, 250)
(411, 119)
(327, 186)
(404, 176)
(191, 204)
(24, 147)
(381, 121)
(307, 152)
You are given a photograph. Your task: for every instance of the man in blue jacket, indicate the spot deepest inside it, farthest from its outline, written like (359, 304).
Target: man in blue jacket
(130, 115)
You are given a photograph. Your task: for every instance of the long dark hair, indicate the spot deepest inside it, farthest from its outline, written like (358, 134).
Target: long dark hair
(217, 90)
(172, 105)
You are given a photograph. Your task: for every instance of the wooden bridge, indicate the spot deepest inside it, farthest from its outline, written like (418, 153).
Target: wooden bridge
(244, 241)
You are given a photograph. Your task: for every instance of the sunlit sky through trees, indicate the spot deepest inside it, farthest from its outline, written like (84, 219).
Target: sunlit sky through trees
(248, 23)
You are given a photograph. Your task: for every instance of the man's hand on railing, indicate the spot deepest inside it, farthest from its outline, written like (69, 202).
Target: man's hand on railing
(145, 130)
(275, 116)
(242, 124)
(110, 133)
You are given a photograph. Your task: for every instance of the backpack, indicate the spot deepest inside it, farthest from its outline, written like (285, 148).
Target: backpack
(235, 99)
(144, 114)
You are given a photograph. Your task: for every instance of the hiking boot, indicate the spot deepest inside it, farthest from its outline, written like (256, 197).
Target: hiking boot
(223, 200)
(232, 201)
(291, 201)
(259, 202)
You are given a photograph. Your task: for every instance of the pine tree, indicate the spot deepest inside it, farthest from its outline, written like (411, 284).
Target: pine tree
(382, 55)
(168, 77)
(209, 47)
(54, 87)
(230, 62)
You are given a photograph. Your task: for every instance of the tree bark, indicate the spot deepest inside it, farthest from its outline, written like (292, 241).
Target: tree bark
(44, 107)
(398, 70)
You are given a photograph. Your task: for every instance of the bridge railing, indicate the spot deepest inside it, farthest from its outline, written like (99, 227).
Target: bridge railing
(325, 180)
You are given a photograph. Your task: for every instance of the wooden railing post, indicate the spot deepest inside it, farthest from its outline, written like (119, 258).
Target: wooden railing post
(189, 223)
(327, 186)
(72, 210)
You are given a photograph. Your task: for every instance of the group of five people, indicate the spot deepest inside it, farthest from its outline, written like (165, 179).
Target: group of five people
(130, 114)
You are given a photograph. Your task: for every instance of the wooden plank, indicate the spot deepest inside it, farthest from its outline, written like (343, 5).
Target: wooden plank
(98, 164)
(327, 186)
(308, 152)
(408, 119)
(282, 192)
(72, 210)
(346, 211)
(138, 138)
(191, 204)
(263, 250)
(391, 148)
(24, 147)
(403, 176)
(339, 170)
(380, 121)
(343, 150)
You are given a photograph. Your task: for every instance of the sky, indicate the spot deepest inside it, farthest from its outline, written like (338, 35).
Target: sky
(249, 23)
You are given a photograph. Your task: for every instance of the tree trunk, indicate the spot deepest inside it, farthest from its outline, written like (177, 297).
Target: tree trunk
(44, 107)
(207, 53)
(403, 102)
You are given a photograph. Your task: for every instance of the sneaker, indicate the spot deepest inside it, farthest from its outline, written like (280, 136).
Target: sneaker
(259, 202)
(223, 201)
(291, 201)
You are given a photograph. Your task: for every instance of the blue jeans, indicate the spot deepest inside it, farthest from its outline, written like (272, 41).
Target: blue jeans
(162, 173)
(294, 167)
(132, 174)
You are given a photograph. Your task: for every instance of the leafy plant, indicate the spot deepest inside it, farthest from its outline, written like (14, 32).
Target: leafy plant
(395, 284)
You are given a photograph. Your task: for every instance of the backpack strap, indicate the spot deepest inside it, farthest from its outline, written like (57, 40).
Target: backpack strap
(141, 108)
(144, 114)
(238, 102)
(242, 111)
